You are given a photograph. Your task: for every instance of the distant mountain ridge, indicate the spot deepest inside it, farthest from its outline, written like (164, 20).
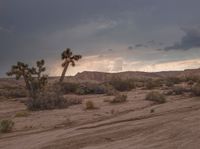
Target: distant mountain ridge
(104, 76)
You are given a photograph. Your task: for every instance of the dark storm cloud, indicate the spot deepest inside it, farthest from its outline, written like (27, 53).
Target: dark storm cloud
(34, 29)
(140, 45)
(190, 40)
(130, 48)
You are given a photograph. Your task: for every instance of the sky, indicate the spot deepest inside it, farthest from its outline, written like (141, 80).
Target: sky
(111, 35)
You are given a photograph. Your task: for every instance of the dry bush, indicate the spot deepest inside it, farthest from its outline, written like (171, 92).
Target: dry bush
(91, 88)
(119, 99)
(89, 105)
(169, 83)
(196, 89)
(192, 79)
(178, 90)
(122, 85)
(6, 126)
(50, 98)
(47, 100)
(69, 87)
(174, 80)
(156, 97)
(22, 114)
(151, 84)
(74, 101)
(13, 92)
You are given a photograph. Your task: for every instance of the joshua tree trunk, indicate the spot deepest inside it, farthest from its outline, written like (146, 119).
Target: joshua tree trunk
(63, 73)
(29, 87)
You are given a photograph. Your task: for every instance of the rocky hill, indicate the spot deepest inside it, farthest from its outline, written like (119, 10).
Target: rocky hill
(103, 76)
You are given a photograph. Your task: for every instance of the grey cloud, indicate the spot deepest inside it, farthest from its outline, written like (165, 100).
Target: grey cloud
(130, 48)
(190, 40)
(34, 29)
(141, 45)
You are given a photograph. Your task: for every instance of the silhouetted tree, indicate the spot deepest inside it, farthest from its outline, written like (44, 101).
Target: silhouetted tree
(68, 58)
(33, 77)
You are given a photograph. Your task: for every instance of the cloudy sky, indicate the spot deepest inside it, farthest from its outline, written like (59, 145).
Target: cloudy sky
(112, 35)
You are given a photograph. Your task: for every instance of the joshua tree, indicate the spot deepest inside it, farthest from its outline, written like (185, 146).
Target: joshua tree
(32, 76)
(68, 58)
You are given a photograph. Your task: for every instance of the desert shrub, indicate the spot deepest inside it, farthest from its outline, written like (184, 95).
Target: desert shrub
(69, 87)
(156, 97)
(192, 78)
(119, 99)
(89, 105)
(6, 126)
(178, 90)
(49, 99)
(190, 82)
(151, 84)
(174, 80)
(81, 91)
(122, 85)
(91, 88)
(74, 101)
(13, 92)
(168, 83)
(22, 114)
(196, 89)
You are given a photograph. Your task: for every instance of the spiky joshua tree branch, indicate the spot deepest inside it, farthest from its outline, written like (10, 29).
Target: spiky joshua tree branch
(33, 77)
(68, 58)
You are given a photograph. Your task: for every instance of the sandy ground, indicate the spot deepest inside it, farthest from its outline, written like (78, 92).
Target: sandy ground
(130, 125)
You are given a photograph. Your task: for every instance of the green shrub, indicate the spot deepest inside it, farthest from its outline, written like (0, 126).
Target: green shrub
(6, 126)
(119, 99)
(122, 85)
(156, 97)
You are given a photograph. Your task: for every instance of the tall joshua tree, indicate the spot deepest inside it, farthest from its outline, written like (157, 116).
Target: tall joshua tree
(68, 58)
(33, 77)
(21, 70)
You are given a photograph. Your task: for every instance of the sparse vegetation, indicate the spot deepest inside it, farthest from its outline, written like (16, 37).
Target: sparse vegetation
(196, 89)
(51, 98)
(22, 114)
(119, 99)
(174, 80)
(13, 92)
(69, 87)
(178, 90)
(74, 101)
(6, 126)
(91, 88)
(151, 84)
(122, 85)
(89, 105)
(156, 97)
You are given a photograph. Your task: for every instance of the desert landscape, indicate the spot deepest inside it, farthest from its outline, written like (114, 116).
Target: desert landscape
(144, 111)
(99, 74)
